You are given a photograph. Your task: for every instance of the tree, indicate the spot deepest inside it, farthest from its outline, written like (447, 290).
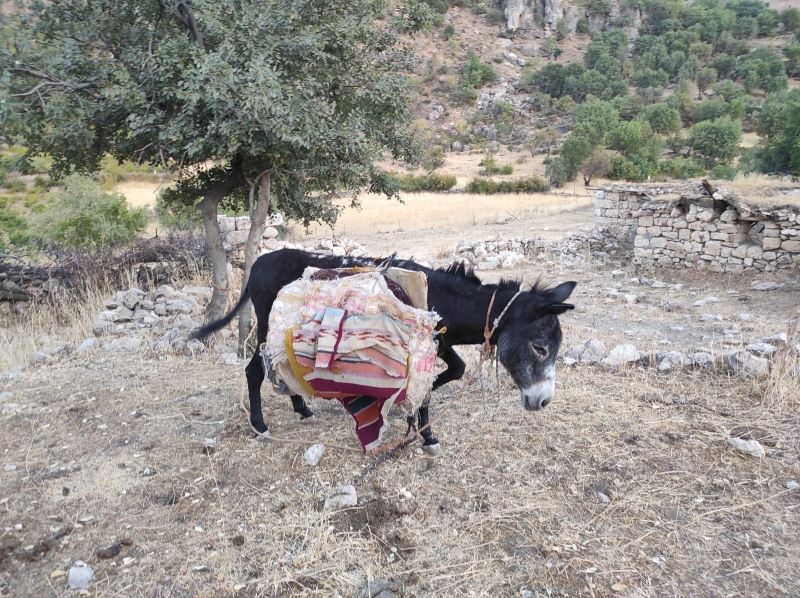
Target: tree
(476, 73)
(597, 164)
(706, 77)
(663, 118)
(778, 125)
(762, 68)
(282, 103)
(550, 79)
(716, 140)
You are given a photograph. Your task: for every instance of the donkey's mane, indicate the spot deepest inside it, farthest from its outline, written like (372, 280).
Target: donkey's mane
(467, 273)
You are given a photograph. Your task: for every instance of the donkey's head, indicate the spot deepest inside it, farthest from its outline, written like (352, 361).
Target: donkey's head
(528, 340)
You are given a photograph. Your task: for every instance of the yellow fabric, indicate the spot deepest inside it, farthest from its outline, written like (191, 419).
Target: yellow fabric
(298, 370)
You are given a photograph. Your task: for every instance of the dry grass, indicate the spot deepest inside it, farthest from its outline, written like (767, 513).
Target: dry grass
(782, 389)
(760, 189)
(425, 211)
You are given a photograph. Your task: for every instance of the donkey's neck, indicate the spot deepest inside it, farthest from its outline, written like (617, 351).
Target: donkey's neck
(464, 311)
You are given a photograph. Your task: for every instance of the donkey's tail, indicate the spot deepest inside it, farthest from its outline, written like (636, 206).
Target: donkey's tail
(203, 332)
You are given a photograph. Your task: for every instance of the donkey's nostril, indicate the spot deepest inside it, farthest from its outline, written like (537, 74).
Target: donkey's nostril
(545, 402)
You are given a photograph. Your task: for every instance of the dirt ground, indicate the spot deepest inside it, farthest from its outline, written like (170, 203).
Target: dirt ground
(624, 486)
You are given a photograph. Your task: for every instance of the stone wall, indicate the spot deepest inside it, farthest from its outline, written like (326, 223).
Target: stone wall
(685, 227)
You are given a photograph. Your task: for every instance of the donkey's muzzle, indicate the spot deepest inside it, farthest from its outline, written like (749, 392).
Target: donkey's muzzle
(538, 396)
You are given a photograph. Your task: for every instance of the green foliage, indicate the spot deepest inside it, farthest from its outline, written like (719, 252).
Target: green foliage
(576, 148)
(762, 68)
(426, 182)
(717, 140)
(448, 31)
(490, 166)
(556, 172)
(597, 164)
(623, 169)
(84, 216)
(488, 187)
(14, 230)
(778, 124)
(710, 110)
(314, 93)
(647, 77)
(16, 186)
(790, 17)
(706, 77)
(663, 118)
(792, 54)
(681, 168)
(723, 171)
(582, 26)
(476, 73)
(635, 140)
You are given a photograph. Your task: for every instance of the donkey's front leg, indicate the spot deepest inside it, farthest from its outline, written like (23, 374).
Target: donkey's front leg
(430, 444)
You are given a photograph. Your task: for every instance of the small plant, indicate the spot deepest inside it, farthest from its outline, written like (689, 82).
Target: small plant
(531, 184)
(448, 31)
(40, 182)
(490, 166)
(476, 73)
(16, 186)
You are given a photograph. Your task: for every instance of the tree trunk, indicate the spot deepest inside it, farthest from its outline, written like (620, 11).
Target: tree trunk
(258, 218)
(216, 253)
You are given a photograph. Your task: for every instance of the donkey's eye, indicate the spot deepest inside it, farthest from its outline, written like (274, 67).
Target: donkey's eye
(541, 352)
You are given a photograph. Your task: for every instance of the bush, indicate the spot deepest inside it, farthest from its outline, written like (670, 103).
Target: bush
(623, 169)
(531, 184)
(556, 172)
(681, 168)
(582, 25)
(723, 171)
(717, 140)
(426, 182)
(448, 31)
(16, 186)
(84, 216)
(476, 73)
(490, 166)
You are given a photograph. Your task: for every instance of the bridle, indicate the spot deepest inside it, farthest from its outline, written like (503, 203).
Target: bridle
(487, 332)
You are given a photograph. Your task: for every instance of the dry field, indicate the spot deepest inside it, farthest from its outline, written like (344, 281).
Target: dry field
(624, 486)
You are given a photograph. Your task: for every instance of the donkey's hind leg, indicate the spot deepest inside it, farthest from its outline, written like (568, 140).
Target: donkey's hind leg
(299, 406)
(255, 377)
(430, 444)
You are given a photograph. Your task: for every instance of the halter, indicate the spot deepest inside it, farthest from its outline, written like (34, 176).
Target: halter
(487, 333)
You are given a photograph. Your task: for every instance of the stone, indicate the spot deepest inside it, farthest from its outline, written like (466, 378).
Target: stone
(705, 301)
(194, 346)
(229, 358)
(792, 245)
(746, 365)
(761, 348)
(242, 223)
(767, 285)
(621, 355)
(270, 232)
(132, 297)
(88, 344)
(344, 496)
(313, 454)
(80, 576)
(121, 314)
(123, 345)
(791, 485)
(338, 251)
(185, 306)
(593, 351)
(770, 243)
(751, 447)
(109, 552)
(702, 359)
(779, 338)
(226, 224)
(631, 299)
(6, 396)
(380, 588)
(670, 361)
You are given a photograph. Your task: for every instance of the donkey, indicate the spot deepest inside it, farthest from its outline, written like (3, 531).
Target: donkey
(527, 337)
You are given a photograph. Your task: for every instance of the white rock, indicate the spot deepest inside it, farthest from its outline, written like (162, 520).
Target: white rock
(229, 358)
(766, 285)
(593, 351)
(314, 453)
(745, 365)
(270, 232)
(6, 396)
(702, 359)
(338, 251)
(671, 360)
(751, 447)
(121, 345)
(705, 301)
(344, 496)
(80, 576)
(711, 318)
(761, 348)
(631, 299)
(620, 355)
(88, 344)
(194, 347)
(779, 338)
(792, 485)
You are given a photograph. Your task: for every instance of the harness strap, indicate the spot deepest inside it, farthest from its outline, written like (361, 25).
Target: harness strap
(487, 333)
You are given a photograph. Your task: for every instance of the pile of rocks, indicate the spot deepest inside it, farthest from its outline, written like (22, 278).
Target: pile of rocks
(601, 243)
(495, 254)
(159, 322)
(752, 362)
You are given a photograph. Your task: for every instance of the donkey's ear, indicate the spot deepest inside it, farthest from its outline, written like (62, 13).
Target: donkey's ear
(556, 309)
(560, 293)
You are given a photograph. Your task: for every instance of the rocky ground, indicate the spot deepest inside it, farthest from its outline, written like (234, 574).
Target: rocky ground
(667, 464)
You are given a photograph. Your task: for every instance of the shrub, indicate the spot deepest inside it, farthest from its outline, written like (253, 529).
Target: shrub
(723, 171)
(717, 140)
(426, 182)
(16, 186)
(623, 169)
(490, 166)
(13, 229)
(598, 164)
(448, 31)
(85, 216)
(39, 182)
(681, 168)
(582, 26)
(476, 73)
(663, 118)
(556, 172)
(531, 184)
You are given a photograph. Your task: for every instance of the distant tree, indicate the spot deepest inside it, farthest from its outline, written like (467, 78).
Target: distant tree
(652, 78)
(790, 17)
(762, 68)
(596, 118)
(768, 21)
(706, 77)
(556, 172)
(274, 103)
(576, 148)
(724, 64)
(716, 140)
(550, 79)
(597, 164)
(778, 124)
(792, 54)
(663, 118)
(630, 138)
(476, 73)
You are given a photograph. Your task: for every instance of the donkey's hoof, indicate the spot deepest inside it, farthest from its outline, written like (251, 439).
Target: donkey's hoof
(308, 419)
(434, 450)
